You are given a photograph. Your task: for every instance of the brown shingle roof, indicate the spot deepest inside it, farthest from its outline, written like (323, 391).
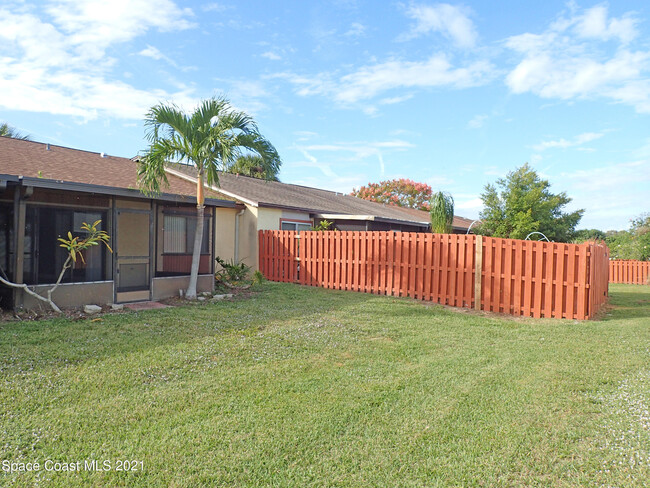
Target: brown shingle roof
(62, 164)
(275, 194)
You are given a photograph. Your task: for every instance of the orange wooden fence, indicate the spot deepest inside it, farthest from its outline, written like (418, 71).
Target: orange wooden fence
(432, 267)
(629, 271)
(543, 279)
(528, 278)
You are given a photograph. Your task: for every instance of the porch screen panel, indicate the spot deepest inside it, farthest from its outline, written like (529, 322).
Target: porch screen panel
(44, 258)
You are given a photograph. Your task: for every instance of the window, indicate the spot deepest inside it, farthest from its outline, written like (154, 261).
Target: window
(175, 234)
(175, 246)
(179, 232)
(295, 225)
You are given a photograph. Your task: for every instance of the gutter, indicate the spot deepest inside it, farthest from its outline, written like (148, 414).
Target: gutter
(109, 190)
(237, 215)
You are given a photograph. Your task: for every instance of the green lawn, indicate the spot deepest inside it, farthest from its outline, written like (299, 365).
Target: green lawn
(308, 387)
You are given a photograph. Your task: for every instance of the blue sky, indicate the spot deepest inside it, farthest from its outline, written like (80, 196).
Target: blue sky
(451, 94)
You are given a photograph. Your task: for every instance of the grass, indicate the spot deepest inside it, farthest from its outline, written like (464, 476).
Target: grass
(308, 387)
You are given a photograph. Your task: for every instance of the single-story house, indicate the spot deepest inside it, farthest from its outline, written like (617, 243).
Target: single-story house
(48, 190)
(271, 205)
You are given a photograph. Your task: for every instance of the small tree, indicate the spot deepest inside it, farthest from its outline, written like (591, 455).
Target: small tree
(75, 246)
(522, 203)
(323, 225)
(442, 212)
(401, 192)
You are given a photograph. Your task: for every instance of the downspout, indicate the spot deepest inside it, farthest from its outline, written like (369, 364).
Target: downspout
(237, 215)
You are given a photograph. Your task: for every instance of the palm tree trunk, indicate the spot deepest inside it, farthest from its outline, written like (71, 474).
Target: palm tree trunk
(198, 239)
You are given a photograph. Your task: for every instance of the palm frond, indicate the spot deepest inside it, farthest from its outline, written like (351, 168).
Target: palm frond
(8, 131)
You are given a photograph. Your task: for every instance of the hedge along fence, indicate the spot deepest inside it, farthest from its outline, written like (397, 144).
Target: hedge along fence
(630, 272)
(528, 278)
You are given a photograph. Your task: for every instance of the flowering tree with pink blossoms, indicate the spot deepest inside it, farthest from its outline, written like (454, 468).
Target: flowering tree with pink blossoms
(402, 192)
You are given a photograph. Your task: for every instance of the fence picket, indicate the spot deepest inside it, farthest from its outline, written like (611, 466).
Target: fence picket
(629, 271)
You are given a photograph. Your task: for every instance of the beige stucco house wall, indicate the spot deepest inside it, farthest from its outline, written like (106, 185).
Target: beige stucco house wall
(251, 219)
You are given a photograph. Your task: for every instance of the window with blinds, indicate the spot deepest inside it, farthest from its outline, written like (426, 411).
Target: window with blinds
(178, 234)
(175, 234)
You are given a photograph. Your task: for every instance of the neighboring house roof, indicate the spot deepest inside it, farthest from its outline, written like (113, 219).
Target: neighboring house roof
(322, 203)
(46, 165)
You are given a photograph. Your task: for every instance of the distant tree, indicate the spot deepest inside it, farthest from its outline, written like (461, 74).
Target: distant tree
(522, 203)
(401, 192)
(633, 243)
(442, 212)
(253, 165)
(621, 244)
(8, 131)
(641, 230)
(584, 235)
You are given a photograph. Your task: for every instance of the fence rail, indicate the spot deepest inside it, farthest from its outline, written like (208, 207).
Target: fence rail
(630, 272)
(527, 278)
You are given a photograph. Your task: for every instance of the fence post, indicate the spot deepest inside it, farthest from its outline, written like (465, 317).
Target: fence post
(478, 271)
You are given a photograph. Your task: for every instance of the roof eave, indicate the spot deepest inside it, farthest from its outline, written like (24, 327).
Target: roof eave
(110, 190)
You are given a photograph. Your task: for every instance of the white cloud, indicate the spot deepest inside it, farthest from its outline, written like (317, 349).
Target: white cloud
(93, 25)
(564, 143)
(594, 24)
(569, 60)
(611, 179)
(356, 30)
(152, 52)
(360, 149)
(469, 204)
(271, 55)
(60, 65)
(611, 194)
(370, 81)
(451, 21)
(216, 7)
(395, 100)
(304, 135)
(477, 122)
(312, 162)
(354, 152)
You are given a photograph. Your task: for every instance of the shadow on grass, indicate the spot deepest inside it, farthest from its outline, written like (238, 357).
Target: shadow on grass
(627, 302)
(56, 342)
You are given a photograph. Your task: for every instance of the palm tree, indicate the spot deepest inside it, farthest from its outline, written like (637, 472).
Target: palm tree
(252, 165)
(441, 209)
(210, 138)
(8, 131)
